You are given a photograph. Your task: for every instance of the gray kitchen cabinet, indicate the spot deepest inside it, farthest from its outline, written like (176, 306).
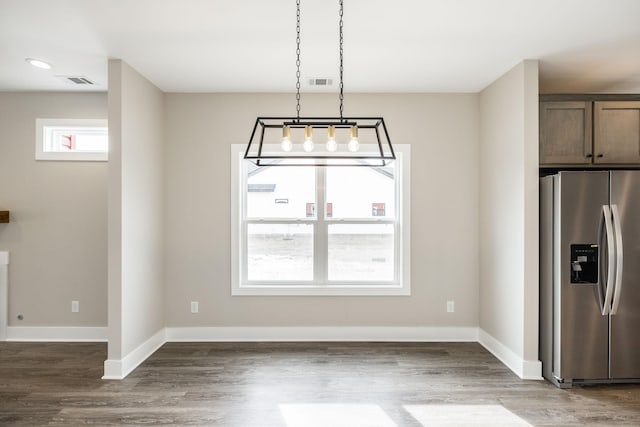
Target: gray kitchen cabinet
(589, 131)
(616, 132)
(565, 133)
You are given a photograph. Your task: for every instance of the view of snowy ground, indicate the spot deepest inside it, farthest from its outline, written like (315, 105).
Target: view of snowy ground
(352, 257)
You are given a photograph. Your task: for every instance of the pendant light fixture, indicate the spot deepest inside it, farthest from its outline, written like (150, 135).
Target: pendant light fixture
(350, 141)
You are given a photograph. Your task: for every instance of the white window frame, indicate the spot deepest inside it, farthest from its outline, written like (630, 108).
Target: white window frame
(43, 154)
(401, 285)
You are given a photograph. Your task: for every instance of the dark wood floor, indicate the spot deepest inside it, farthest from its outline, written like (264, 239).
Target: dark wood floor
(294, 384)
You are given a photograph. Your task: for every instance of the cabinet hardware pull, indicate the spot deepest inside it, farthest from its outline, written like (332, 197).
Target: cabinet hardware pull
(588, 156)
(600, 155)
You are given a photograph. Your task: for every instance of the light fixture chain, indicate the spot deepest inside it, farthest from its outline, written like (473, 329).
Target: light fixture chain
(341, 60)
(291, 155)
(298, 59)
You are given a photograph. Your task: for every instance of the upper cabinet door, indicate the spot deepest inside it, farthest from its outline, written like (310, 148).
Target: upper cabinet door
(617, 132)
(565, 133)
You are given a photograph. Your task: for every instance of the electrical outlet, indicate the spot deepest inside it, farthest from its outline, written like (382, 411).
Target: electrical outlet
(194, 306)
(450, 306)
(75, 306)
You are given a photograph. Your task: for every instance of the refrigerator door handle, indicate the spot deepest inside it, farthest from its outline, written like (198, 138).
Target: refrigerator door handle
(602, 270)
(618, 280)
(611, 258)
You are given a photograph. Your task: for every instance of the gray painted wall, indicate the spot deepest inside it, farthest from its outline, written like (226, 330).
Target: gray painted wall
(443, 132)
(58, 230)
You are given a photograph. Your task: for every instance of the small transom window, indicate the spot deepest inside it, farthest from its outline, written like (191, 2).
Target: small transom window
(72, 139)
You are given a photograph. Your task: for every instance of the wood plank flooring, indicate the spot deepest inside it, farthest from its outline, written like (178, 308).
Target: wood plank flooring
(294, 385)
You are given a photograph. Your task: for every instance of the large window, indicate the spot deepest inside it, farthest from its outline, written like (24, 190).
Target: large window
(342, 230)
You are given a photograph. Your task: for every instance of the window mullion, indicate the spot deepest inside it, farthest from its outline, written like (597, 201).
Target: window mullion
(320, 232)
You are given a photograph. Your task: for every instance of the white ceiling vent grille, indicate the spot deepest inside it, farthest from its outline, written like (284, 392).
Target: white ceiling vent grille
(320, 82)
(76, 80)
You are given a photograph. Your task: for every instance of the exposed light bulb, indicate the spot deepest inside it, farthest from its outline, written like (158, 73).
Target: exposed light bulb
(307, 145)
(332, 145)
(308, 139)
(353, 144)
(286, 139)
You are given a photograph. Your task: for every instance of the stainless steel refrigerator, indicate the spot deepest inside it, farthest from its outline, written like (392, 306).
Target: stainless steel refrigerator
(590, 277)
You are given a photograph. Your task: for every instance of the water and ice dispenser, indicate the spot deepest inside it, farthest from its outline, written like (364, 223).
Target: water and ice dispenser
(584, 264)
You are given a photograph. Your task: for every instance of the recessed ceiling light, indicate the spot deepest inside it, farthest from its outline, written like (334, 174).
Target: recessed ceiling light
(38, 63)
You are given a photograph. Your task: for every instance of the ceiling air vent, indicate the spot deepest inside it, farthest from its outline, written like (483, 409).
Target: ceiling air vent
(76, 80)
(320, 82)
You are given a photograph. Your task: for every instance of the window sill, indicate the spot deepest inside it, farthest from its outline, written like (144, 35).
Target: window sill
(72, 157)
(324, 290)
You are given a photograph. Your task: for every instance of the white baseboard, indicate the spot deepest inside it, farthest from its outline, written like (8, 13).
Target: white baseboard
(56, 333)
(322, 333)
(531, 370)
(117, 369)
(4, 294)
(525, 369)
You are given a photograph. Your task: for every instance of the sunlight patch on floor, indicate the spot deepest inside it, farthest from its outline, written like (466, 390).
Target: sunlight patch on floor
(464, 415)
(335, 415)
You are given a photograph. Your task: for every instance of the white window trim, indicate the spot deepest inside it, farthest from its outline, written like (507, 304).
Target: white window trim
(41, 154)
(402, 285)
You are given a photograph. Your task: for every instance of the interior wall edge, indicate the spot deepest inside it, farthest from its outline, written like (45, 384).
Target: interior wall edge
(117, 369)
(525, 369)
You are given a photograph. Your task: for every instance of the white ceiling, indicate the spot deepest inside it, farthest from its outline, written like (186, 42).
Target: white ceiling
(390, 45)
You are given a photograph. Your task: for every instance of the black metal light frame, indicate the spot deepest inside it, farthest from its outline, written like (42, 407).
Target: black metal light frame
(380, 156)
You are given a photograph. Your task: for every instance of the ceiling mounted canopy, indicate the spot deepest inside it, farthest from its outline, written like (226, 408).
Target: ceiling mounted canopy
(319, 141)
